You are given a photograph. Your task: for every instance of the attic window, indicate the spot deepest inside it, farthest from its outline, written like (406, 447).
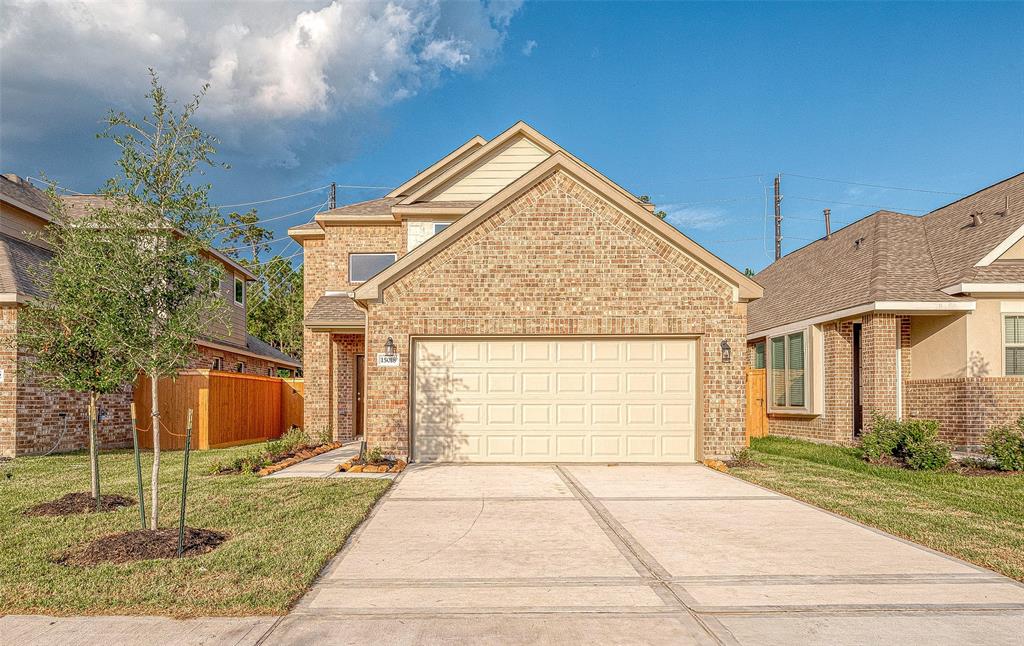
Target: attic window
(364, 266)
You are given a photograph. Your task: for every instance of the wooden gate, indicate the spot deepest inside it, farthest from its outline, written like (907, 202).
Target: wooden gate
(757, 403)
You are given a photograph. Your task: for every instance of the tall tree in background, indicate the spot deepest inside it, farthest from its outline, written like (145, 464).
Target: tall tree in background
(170, 302)
(275, 304)
(245, 233)
(74, 333)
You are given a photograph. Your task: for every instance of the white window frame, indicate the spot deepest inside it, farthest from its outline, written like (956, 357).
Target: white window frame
(394, 259)
(234, 291)
(218, 363)
(813, 372)
(240, 367)
(271, 372)
(443, 225)
(1005, 345)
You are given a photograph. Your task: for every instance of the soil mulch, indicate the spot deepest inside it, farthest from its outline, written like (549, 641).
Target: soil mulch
(975, 470)
(285, 460)
(80, 502)
(143, 544)
(744, 463)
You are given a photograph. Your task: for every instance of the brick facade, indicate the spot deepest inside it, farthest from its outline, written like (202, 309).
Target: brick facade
(326, 268)
(836, 422)
(967, 407)
(559, 260)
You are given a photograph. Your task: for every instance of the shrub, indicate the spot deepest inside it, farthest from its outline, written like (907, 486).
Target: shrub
(1005, 445)
(913, 442)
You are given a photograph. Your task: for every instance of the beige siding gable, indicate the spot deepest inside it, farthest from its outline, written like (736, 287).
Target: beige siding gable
(494, 173)
(1015, 252)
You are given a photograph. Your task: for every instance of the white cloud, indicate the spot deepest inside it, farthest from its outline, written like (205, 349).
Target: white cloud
(528, 47)
(689, 217)
(272, 66)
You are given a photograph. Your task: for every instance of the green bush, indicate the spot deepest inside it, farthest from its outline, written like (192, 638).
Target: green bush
(914, 442)
(1005, 445)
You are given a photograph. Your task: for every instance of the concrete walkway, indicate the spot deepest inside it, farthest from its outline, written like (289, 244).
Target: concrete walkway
(635, 554)
(324, 465)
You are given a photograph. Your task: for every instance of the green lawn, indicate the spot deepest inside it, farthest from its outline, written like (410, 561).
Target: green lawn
(976, 518)
(281, 533)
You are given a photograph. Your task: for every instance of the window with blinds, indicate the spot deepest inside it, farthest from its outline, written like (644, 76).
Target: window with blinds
(789, 370)
(1014, 344)
(759, 355)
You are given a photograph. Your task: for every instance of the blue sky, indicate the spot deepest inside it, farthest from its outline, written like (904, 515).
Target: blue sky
(665, 99)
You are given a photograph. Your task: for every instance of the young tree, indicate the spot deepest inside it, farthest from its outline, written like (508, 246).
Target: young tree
(74, 333)
(172, 222)
(245, 233)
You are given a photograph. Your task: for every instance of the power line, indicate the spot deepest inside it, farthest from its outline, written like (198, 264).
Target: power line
(891, 188)
(271, 199)
(277, 217)
(872, 206)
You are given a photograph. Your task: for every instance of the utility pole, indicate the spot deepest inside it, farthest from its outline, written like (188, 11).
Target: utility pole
(828, 223)
(778, 216)
(332, 201)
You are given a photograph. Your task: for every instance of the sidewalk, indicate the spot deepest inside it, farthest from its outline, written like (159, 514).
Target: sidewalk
(35, 630)
(324, 465)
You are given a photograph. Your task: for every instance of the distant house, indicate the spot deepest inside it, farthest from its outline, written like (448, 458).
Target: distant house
(909, 316)
(32, 418)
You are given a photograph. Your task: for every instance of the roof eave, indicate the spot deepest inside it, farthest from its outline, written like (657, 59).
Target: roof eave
(888, 307)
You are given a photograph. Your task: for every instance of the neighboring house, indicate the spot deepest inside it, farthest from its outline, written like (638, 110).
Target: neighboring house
(32, 418)
(910, 316)
(536, 310)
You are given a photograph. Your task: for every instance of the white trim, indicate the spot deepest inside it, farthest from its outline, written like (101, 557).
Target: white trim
(246, 352)
(331, 292)
(234, 291)
(1002, 339)
(12, 297)
(993, 255)
(892, 307)
(1011, 307)
(985, 288)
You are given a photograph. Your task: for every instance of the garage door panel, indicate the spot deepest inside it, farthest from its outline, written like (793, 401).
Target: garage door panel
(555, 399)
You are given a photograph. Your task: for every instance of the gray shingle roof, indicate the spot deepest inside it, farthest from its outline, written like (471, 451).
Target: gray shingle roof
(898, 258)
(258, 346)
(332, 310)
(22, 267)
(380, 206)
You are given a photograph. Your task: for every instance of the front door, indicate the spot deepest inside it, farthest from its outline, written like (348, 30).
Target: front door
(858, 411)
(360, 378)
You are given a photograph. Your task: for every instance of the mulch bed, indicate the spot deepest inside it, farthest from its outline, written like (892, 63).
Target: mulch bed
(143, 544)
(744, 463)
(383, 465)
(80, 502)
(980, 471)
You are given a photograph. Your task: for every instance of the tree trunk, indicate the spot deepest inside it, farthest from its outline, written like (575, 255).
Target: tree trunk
(154, 382)
(94, 451)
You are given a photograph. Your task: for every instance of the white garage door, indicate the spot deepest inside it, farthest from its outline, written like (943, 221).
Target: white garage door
(555, 399)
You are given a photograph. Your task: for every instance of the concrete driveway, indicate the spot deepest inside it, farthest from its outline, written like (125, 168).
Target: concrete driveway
(635, 554)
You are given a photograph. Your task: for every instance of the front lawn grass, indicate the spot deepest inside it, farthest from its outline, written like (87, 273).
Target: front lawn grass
(976, 518)
(281, 533)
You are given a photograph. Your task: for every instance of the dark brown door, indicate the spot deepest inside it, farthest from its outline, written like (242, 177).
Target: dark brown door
(360, 379)
(858, 410)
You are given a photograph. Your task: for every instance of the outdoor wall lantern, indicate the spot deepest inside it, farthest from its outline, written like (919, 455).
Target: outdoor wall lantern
(726, 352)
(389, 347)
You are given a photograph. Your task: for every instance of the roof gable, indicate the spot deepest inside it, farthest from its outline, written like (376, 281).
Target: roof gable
(743, 287)
(438, 167)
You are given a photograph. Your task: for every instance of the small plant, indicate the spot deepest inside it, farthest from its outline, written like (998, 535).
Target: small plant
(1005, 445)
(374, 455)
(913, 442)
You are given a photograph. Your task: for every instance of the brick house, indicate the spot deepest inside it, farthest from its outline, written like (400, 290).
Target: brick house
(32, 418)
(910, 316)
(510, 303)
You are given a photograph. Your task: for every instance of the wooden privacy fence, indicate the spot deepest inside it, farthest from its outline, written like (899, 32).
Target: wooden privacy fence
(228, 408)
(757, 403)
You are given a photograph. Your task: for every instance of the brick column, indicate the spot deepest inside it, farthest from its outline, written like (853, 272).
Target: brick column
(317, 375)
(880, 336)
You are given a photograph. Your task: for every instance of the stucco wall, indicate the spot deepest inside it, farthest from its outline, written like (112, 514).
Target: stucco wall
(559, 260)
